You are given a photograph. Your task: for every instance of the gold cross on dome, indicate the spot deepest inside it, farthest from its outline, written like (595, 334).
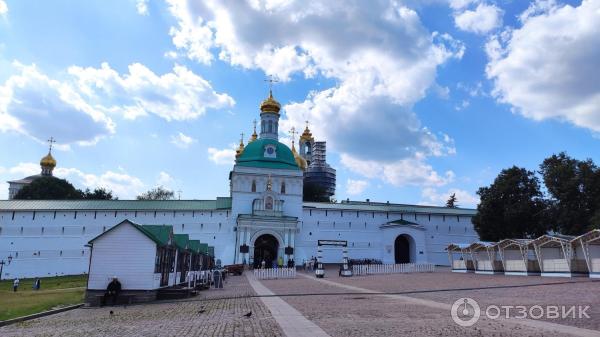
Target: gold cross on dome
(254, 122)
(293, 132)
(271, 79)
(242, 139)
(50, 142)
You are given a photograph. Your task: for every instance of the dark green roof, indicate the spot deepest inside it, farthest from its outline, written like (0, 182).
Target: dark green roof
(211, 251)
(388, 207)
(160, 234)
(404, 222)
(116, 205)
(204, 248)
(253, 155)
(181, 241)
(194, 246)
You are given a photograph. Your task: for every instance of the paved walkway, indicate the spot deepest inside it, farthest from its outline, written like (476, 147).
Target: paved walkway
(537, 324)
(291, 321)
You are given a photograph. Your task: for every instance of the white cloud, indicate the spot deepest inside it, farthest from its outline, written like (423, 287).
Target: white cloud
(481, 20)
(380, 55)
(459, 4)
(33, 104)
(433, 197)
(3, 7)
(182, 140)
(548, 68)
(179, 95)
(356, 187)
(122, 184)
(404, 172)
(142, 7)
(165, 179)
(223, 156)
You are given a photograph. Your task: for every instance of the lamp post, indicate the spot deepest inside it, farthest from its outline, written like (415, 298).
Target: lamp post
(2, 263)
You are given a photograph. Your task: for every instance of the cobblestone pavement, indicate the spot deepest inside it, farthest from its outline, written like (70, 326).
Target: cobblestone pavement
(368, 315)
(577, 291)
(177, 318)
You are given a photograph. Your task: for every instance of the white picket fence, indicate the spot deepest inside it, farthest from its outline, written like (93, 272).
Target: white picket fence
(274, 273)
(371, 269)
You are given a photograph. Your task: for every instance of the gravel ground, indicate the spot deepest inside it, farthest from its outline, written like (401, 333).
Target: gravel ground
(368, 315)
(178, 318)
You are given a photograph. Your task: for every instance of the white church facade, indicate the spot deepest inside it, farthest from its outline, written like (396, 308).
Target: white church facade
(264, 218)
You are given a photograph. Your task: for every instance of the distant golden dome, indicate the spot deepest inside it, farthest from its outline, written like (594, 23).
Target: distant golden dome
(48, 161)
(301, 162)
(306, 135)
(270, 104)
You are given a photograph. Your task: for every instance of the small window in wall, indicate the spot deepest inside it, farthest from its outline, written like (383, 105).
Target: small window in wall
(253, 186)
(83, 230)
(63, 230)
(270, 126)
(21, 230)
(42, 230)
(283, 187)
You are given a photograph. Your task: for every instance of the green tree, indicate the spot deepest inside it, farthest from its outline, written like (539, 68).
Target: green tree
(452, 201)
(512, 207)
(157, 193)
(315, 193)
(46, 188)
(99, 193)
(574, 188)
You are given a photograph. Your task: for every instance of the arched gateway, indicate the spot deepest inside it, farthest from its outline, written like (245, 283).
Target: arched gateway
(265, 248)
(402, 249)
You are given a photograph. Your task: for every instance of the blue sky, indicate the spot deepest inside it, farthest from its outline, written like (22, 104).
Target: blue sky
(416, 99)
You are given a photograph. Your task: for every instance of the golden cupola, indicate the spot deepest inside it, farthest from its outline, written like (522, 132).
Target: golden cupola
(254, 135)
(48, 163)
(307, 135)
(301, 162)
(240, 148)
(270, 104)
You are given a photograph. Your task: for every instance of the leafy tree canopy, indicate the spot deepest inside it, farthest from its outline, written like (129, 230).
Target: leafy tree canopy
(157, 193)
(512, 207)
(52, 188)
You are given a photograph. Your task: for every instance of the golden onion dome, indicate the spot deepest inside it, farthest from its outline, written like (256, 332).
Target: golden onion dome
(240, 149)
(48, 161)
(270, 104)
(307, 135)
(301, 162)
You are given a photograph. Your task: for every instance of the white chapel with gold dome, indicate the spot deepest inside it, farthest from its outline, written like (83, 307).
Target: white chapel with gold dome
(263, 218)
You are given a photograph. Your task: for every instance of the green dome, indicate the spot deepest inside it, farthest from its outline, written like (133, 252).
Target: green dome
(254, 155)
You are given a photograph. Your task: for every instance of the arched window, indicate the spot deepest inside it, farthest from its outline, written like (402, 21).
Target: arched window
(283, 187)
(262, 126)
(253, 186)
(270, 126)
(308, 149)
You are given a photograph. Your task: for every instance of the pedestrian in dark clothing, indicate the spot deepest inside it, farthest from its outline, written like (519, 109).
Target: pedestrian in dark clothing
(16, 284)
(36, 284)
(112, 291)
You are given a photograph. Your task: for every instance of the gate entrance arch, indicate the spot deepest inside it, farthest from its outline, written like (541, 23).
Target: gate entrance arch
(402, 249)
(265, 249)
(346, 271)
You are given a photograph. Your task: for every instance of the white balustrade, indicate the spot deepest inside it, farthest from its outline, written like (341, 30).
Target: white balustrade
(275, 273)
(372, 269)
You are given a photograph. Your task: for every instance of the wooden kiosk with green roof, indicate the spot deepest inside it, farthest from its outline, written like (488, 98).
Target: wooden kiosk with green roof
(145, 259)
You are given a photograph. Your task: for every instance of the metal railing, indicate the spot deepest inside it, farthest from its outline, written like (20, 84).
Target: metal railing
(372, 269)
(274, 273)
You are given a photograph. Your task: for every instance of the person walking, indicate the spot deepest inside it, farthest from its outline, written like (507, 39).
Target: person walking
(263, 264)
(16, 284)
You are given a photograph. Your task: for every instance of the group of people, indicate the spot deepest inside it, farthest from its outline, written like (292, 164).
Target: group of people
(36, 284)
(279, 264)
(309, 265)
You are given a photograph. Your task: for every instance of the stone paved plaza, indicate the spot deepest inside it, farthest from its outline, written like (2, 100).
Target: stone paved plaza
(415, 304)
